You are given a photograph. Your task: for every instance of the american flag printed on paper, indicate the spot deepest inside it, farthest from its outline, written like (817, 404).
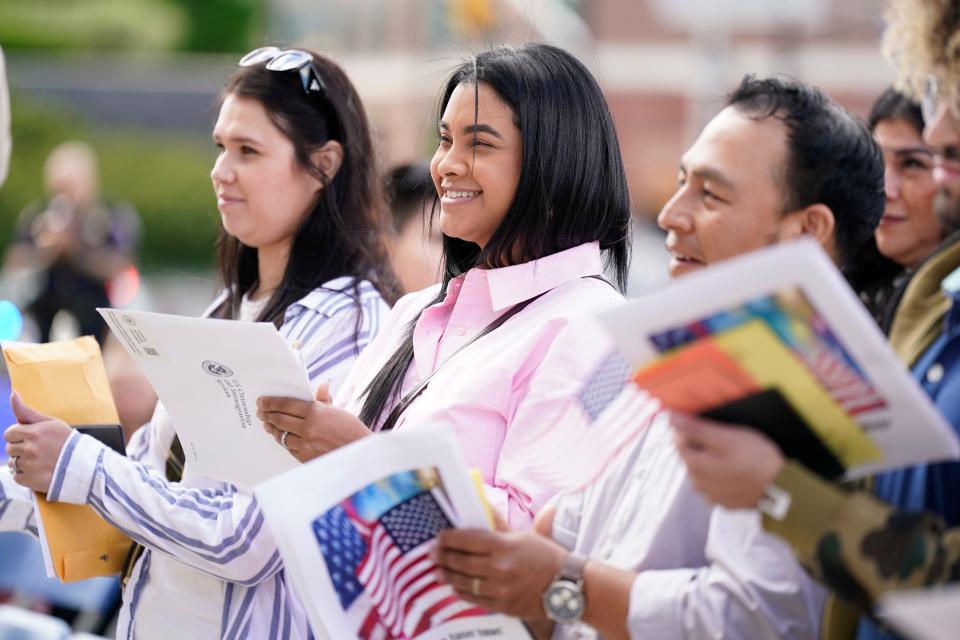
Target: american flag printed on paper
(380, 567)
(604, 384)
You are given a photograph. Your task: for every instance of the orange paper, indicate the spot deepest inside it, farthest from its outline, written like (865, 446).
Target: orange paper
(696, 378)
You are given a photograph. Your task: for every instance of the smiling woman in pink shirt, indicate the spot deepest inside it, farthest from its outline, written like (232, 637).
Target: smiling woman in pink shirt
(532, 201)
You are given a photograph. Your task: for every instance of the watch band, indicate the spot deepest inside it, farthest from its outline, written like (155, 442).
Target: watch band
(775, 502)
(572, 568)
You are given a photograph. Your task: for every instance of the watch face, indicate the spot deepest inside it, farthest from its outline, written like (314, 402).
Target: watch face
(563, 601)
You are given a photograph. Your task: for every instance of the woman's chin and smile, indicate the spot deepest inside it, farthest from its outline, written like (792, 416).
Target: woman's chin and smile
(462, 216)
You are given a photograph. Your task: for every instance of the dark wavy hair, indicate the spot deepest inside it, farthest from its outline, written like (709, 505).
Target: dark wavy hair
(893, 105)
(832, 156)
(409, 189)
(572, 188)
(341, 235)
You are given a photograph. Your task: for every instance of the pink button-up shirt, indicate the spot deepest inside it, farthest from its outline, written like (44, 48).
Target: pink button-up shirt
(504, 392)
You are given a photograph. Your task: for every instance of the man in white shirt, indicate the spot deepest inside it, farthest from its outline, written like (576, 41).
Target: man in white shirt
(639, 554)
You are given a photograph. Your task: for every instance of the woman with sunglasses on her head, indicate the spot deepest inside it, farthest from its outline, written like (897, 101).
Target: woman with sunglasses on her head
(300, 201)
(532, 195)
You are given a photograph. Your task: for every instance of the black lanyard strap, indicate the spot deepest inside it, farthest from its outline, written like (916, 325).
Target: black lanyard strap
(408, 399)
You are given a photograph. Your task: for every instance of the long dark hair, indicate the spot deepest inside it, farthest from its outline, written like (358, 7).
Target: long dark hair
(572, 188)
(342, 233)
(878, 280)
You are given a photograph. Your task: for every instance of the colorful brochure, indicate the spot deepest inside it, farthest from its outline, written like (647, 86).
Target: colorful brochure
(781, 324)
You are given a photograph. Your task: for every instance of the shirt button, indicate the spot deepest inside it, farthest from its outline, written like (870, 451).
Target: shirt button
(461, 330)
(935, 373)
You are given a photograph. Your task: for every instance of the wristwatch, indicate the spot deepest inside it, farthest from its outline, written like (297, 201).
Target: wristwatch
(564, 601)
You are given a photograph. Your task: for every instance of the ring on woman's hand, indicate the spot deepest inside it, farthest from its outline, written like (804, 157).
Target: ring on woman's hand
(475, 587)
(283, 440)
(14, 464)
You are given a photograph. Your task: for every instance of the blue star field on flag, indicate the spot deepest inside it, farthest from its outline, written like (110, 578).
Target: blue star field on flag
(604, 384)
(413, 522)
(343, 549)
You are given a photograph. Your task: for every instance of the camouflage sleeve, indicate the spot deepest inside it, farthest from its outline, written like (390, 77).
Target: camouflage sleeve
(858, 546)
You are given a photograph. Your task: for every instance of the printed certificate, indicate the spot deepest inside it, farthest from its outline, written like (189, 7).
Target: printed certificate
(209, 373)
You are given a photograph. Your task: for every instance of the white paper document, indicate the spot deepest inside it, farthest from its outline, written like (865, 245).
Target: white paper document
(355, 528)
(793, 297)
(209, 373)
(42, 536)
(923, 614)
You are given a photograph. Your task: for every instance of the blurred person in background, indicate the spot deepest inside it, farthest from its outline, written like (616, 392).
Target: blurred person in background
(909, 231)
(75, 243)
(414, 244)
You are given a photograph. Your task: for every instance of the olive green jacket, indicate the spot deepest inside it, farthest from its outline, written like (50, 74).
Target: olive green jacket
(860, 547)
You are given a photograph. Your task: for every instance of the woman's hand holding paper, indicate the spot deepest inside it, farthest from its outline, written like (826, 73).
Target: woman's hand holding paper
(312, 428)
(34, 445)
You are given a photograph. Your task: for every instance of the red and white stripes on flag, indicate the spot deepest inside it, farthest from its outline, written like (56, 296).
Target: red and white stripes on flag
(848, 389)
(404, 589)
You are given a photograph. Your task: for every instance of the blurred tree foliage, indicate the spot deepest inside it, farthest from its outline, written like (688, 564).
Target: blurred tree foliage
(221, 25)
(185, 25)
(57, 25)
(165, 177)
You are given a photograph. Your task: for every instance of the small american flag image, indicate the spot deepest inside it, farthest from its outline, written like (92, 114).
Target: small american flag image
(604, 384)
(376, 547)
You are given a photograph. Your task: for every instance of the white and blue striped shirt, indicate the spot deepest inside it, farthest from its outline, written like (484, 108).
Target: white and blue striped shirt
(210, 526)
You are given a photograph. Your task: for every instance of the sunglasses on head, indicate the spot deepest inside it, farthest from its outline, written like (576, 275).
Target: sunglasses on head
(276, 59)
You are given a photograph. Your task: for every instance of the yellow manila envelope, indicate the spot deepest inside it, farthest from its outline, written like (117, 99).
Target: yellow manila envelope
(67, 380)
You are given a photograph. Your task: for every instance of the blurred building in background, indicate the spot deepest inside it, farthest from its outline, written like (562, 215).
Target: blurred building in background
(147, 100)
(664, 64)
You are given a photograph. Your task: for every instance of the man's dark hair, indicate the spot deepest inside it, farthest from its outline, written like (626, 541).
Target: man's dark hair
(893, 105)
(832, 158)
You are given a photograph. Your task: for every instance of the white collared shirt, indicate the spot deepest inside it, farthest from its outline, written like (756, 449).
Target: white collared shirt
(703, 572)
